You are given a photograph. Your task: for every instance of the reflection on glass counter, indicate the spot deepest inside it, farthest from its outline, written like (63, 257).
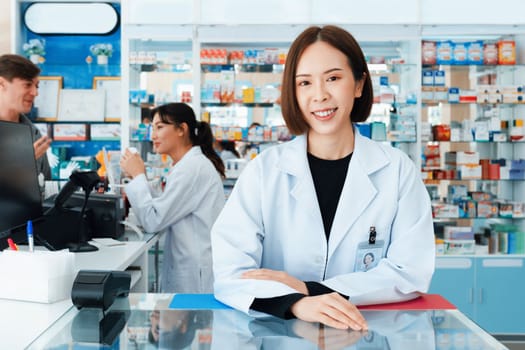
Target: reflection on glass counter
(145, 321)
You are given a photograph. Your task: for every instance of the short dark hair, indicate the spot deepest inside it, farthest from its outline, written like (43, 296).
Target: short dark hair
(16, 66)
(369, 254)
(343, 41)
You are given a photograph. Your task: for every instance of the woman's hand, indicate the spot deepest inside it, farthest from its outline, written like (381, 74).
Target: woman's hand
(330, 309)
(326, 337)
(278, 276)
(131, 163)
(41, 145)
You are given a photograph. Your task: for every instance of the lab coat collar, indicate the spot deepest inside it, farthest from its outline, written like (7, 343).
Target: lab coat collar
(358, 191)
(294, 162)
(194, 151)
(368, 153)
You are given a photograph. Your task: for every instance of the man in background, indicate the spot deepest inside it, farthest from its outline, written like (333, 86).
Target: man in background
(18, 90)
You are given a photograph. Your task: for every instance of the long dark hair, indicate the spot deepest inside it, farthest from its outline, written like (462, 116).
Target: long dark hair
(200, 132)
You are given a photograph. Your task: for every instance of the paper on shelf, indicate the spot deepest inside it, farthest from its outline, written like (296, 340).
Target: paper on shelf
(107, 242)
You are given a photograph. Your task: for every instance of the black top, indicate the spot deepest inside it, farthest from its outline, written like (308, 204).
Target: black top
(329, 178)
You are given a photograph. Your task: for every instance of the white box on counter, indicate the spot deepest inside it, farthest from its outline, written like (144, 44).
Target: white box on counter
(40, 276)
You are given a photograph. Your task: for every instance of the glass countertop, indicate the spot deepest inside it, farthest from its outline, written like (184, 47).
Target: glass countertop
(145, 321)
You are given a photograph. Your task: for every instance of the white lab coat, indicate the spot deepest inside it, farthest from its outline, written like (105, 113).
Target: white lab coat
(227, 154)
(272, 220)
(187, 208)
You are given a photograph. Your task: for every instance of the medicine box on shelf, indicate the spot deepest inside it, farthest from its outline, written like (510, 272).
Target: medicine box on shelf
(459, 246)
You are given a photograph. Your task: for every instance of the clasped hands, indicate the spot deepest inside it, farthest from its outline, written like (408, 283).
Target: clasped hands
(329, 309)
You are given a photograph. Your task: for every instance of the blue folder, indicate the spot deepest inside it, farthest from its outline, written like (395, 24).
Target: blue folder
(196, 302)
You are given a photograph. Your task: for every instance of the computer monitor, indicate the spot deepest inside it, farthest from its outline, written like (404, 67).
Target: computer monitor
(20, 197)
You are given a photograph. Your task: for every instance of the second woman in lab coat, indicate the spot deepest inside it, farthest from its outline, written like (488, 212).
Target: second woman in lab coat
(191, 200)
(292, 236)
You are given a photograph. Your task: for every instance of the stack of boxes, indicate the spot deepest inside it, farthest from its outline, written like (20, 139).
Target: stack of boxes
(261, 133)
(434, 89)
(467, 53)
(478, 52)
(465, 163)
(461, 203)
(458, 240)
(484, 129)
(248, 56)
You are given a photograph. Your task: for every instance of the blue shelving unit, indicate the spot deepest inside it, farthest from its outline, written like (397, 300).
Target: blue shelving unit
(69, 56)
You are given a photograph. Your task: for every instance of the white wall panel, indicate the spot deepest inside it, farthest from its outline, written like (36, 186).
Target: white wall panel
(465, 12)
(262, 33)
(472, 11)
(369, 11)
(158, 12)
(254, 12)
(382, 32)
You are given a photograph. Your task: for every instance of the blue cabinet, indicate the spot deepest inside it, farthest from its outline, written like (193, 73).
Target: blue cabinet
(454, 279)
(500, 294)
(490, 290)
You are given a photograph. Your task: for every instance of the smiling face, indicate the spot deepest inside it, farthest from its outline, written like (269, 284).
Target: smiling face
(326, 89)
(166, 137)
(17, 96)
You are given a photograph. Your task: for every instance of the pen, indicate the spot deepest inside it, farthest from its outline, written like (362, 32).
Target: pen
(30, 240)
(12, 244)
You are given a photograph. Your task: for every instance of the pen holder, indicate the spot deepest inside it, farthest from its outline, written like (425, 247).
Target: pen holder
(41, 276)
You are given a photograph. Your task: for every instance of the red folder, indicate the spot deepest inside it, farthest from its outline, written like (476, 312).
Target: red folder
(424, 302)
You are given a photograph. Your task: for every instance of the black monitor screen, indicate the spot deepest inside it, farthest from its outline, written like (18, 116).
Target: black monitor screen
(20, 198)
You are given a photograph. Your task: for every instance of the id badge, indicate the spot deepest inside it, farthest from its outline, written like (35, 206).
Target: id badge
(368, 255)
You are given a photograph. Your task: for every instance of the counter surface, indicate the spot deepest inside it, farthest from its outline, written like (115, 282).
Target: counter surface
(146, 321)
(22, 322)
